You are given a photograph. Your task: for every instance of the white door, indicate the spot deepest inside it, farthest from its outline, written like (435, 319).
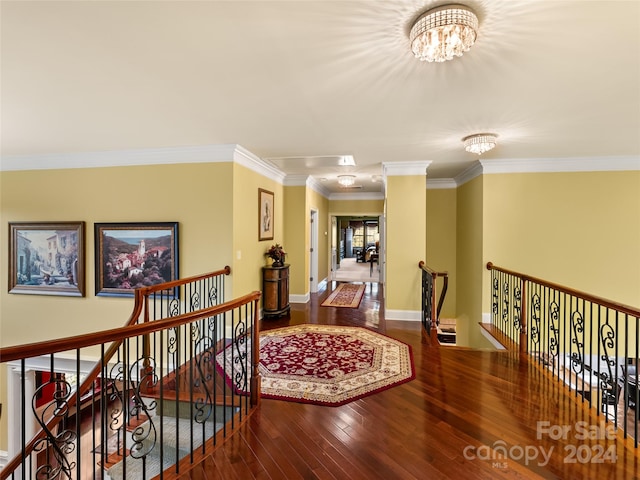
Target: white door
(334, 247)
(313, 252)
(382, 249)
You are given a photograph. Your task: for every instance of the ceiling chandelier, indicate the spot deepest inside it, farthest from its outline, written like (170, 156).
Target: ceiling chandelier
(346, 180)
(443, 33)
(480, 142)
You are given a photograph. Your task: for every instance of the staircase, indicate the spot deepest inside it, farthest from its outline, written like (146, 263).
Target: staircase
(447, 331)
(162, 441)
(165, 403)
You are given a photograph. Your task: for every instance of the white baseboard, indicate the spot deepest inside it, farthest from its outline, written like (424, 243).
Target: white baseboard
(4, 459)
(486, 318)
(406, 315)
(323, 284)
(300, 298)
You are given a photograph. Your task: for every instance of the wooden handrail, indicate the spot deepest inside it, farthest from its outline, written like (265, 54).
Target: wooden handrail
(445, 284)
(145, 291)
(117, 336)
(424, 267)
(8, 354)
(435, 315)
(627, 309)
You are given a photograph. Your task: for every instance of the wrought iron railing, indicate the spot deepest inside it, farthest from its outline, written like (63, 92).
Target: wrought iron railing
(587, 342)
(430, 311)
(134, 401)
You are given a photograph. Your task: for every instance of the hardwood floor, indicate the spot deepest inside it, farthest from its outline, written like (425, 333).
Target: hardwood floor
(447, 423)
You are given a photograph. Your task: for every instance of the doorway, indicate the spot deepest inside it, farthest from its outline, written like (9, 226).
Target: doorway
(356, 248)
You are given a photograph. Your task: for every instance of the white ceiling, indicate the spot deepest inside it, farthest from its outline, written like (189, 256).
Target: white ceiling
(295, 80)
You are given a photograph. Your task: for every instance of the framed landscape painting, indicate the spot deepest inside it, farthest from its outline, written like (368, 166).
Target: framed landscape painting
(46, 258)
(265, 214)
(134, 255)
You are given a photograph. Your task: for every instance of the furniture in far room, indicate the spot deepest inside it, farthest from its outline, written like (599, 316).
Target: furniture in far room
(275, 291)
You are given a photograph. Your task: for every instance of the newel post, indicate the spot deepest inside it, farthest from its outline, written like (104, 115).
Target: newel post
(255, 356)
(146, 372)
(524, 344)
(434, 313)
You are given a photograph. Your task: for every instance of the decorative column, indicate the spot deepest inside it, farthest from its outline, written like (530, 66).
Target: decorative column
(405, 237)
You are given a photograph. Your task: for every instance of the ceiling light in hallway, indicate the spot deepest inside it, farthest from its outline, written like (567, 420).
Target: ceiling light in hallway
(346, 180)
(480, 142)
(443, 33)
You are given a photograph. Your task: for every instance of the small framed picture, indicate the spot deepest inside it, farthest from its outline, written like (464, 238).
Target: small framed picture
(265, 214)
(133, 255)
(46, 258)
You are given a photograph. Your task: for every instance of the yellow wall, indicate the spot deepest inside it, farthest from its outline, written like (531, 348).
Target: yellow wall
(247, 270)
(317, 202)
(579, 229)
(296, 238)
(469, 271)
(195, 195)
(405, 241)
(441, 242)
(356, 207)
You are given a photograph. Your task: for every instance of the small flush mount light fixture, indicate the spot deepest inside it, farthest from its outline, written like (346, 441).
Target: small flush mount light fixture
(480, 142)
(347, 161)
(443, 33)
(346, 180)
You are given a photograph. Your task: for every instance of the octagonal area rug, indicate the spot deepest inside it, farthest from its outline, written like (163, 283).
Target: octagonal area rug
(322, 364)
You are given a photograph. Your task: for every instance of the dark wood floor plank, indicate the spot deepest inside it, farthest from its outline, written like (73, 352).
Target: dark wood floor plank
(461, 401)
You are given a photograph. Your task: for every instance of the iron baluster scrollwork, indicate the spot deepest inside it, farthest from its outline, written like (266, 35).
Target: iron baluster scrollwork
(213, 296)
(240, 338)
(195, 301)
(495, 296)
(554, 339)
(60, 445)
(517, 302)
(505, 302)
(607, 338)
(144, 436)
(205, 357)
(173, 335)
(535, 317)
(577, 358)
(173, 307)
(116, 398)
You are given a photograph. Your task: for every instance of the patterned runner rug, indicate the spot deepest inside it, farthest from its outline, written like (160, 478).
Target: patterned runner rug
(347, 295)
(321, 364)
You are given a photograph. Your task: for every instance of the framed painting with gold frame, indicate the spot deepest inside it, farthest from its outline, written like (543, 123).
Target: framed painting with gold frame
(265, 214)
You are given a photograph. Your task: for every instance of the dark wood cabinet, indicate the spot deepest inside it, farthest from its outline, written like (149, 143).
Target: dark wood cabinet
(275, 291)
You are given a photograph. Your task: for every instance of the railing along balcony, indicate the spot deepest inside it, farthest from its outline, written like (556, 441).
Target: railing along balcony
(587, 342)
(431, 312)
(141, 401)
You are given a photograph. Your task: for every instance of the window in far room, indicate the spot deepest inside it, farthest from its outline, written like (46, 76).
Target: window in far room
(358, 234)
(372, 233)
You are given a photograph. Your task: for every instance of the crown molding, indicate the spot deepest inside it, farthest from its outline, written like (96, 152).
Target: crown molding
(574, 164)
(244, 157)
(296, 180)
(394, 169)
(357, 196)
(120, 158)
(440, 183)
(146, 156)
(306, 181)
(469, 174)
(318, 187)
(548, 165)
